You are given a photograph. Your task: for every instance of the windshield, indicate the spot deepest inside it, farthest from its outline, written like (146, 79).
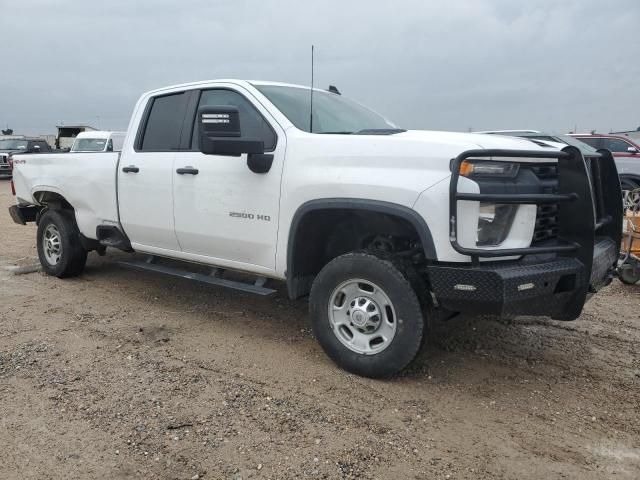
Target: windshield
(89, 145)
(332, 113)
(13, 144)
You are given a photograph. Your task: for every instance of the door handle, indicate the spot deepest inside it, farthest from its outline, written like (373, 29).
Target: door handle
(187, 171)
(130, 169)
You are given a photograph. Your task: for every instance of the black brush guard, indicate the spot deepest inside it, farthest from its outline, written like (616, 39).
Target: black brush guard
(553, 278)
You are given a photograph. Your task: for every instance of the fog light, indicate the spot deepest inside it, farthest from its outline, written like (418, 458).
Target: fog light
(494, 223)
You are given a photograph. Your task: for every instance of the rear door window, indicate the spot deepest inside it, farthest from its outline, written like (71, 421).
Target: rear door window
(163, 124)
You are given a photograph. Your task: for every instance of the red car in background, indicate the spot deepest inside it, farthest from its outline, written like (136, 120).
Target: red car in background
(626, 152)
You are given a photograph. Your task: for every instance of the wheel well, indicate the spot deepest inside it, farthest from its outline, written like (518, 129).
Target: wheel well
(634, 178)
(322, 234)
(52, 200)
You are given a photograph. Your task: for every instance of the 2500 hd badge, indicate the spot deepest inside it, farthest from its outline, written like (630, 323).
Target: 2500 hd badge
(250, 216)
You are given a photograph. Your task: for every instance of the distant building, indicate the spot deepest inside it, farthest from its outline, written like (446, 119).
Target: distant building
(68, 133)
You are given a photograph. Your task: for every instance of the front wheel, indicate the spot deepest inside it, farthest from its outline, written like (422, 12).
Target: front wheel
(366, 314)
(59, 249)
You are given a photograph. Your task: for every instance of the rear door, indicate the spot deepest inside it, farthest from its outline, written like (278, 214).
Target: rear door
(225, 211)
(145, 175)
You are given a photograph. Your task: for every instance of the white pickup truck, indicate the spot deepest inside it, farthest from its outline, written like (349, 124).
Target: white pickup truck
(384, 229)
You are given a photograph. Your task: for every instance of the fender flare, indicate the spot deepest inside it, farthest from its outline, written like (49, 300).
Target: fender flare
(394, 209)
(36, 189)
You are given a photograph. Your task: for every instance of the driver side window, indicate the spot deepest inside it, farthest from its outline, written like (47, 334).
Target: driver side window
(252, 123)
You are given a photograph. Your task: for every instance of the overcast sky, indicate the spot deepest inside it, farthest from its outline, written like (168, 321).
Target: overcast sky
(441, 65)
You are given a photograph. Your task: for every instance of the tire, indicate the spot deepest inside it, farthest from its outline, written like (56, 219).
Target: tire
(59, 249)
(366, 315)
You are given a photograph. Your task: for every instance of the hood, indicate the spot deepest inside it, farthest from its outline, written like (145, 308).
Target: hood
(470, 141)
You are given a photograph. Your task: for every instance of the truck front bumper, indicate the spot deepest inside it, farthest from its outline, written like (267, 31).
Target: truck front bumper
(554, 276)
(549, 287)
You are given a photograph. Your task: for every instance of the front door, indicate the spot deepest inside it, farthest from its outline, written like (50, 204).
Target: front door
(145, 176)
(222, 209)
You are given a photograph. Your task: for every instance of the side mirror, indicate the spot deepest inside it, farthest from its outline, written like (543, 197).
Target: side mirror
(632, 150)
(219, 132)
(35, 149)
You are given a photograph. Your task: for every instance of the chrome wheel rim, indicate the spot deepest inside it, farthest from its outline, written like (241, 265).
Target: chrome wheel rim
(52, 244)
(362, 316)
(630, 197)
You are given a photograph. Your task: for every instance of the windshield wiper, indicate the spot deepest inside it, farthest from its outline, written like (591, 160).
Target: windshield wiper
(335, 133)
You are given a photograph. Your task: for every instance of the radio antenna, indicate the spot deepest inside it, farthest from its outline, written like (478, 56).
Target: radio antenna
(311, 101)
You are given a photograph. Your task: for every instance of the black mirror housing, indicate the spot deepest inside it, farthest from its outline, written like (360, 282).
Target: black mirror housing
(230, 147)
(219, 121)
(219, 132)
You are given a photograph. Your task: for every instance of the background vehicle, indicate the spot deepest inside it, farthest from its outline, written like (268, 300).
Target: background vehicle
(377, 225)
(19, 145)
(98, 141)
(628, 165)
(626, 153)
(67, 134)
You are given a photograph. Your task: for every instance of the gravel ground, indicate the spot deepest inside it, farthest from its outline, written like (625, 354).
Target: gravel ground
(118, 374)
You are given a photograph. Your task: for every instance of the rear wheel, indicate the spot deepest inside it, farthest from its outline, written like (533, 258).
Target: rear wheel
(366, 314)
(59, 249)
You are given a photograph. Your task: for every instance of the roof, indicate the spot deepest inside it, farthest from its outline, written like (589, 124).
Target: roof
(229, 80)
(98, 134)
(595, 134)
(22, 137)
(76, 126)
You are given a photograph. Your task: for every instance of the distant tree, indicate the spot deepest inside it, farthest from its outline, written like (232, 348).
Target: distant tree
(9, 131)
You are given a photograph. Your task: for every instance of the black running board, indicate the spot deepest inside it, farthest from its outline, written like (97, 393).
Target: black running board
(256, 288)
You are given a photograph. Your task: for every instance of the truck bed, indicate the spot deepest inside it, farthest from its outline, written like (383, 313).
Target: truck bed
(92, 191)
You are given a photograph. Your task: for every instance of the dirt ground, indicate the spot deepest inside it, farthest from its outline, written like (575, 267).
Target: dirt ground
(118, 374)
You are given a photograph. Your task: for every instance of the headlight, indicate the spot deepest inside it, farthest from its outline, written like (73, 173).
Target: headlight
(494, 223)
(472, 168)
